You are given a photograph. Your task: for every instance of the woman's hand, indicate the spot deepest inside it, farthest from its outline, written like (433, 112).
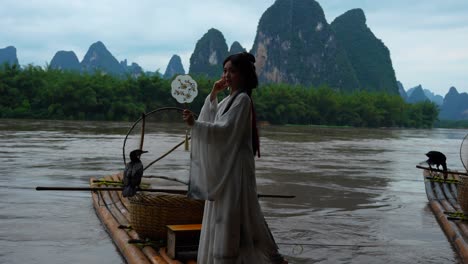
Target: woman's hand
(218, 86)
(188, 117)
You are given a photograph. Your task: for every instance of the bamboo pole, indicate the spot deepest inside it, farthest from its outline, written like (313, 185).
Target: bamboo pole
(165, 154)
(455, 232)
(142, 137)
(437, 170)
(174, 191)
(60, 188)
(130, 252)
(121, 237)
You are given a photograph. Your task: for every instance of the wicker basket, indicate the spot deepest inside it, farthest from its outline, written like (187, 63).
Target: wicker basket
(150, 213)
(462, 191)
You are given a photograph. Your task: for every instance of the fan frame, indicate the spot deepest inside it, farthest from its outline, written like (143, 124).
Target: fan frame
(464, 163)
(144, 115)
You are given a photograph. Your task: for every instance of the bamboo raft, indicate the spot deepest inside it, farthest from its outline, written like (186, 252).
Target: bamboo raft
(112, 210)
(442, 196)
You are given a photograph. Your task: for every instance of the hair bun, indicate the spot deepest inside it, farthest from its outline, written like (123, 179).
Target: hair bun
(249, 56)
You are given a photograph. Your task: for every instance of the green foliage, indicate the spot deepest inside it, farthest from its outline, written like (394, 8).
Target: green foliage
(53, 94)
(451, 123)
(286, 104)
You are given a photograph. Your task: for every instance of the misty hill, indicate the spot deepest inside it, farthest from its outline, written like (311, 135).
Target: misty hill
(209, 54)
(98, 58)
(133, 70)
(437, 99)
(236, 47)
(8, 55)
(410, 90)
(295, 44)
(174, 67)
(401, 91)
(455, 106)
(65, 60)
(416, 95)
(368, 55)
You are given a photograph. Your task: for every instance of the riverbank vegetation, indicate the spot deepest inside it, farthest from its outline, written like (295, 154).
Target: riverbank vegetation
(34, 92)
(451, 123)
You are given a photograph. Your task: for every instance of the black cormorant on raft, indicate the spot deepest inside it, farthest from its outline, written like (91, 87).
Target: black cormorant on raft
(438, 159)
(133, 174)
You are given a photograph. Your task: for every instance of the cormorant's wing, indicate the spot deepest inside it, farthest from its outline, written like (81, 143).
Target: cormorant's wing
(129, 188)
(127, 174)
(138, 174)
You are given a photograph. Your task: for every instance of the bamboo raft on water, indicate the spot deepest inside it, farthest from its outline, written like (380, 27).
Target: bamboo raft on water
(443, 200)
(113, 211)
(158, 226)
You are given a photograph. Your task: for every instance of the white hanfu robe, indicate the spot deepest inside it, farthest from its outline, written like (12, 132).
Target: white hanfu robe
(222, 172)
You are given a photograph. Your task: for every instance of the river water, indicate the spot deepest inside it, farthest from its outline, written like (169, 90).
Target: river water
(360, 198)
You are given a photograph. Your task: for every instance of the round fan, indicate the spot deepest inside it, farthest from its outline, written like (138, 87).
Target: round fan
(184, 88)
(159, 132)
(464, 152)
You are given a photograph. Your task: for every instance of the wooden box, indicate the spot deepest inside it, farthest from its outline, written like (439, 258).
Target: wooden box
(182, 240)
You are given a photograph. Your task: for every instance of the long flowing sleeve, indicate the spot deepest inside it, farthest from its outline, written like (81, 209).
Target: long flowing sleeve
(209, 110)
(222, 172)
(215, 145)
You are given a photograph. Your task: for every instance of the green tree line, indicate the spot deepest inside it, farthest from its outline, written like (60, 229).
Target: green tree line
(451, 123)
(35, 92)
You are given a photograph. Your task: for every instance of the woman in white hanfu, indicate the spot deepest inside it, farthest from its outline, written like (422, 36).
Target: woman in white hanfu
(222, 171)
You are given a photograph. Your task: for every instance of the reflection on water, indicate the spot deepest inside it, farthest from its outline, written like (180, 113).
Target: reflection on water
(360, 198)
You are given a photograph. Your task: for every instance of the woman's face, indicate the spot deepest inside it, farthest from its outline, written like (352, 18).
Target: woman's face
(232, 76)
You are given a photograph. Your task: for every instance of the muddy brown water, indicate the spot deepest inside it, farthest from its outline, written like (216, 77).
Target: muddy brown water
(359, 197)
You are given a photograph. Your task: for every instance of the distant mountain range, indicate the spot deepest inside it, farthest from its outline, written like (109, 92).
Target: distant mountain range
(401, 91)
(416, 94)
(98, 58)
(65, 60)
(174, 67)
(454, 106)
(428, 95)
(294, 44)
(8, 55)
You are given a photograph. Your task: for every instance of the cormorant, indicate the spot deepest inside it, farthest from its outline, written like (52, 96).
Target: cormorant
(437, 158)
(133, 174)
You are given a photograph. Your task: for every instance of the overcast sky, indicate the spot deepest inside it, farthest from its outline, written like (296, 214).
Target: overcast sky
(428, 39)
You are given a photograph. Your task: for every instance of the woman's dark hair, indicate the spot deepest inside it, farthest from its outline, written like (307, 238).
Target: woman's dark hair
(244, 63)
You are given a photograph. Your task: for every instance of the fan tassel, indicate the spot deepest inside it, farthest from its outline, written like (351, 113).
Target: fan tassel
(186, 141)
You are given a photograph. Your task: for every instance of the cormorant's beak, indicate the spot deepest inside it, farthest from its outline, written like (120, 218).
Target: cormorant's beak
(144, 151)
